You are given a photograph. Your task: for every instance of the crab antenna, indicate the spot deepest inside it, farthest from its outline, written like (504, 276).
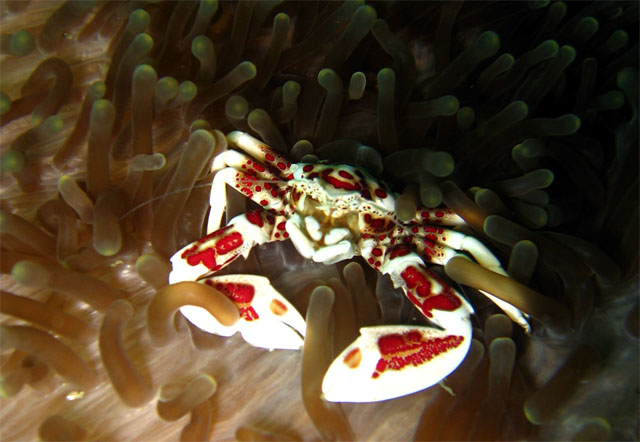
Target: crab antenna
(185, 189)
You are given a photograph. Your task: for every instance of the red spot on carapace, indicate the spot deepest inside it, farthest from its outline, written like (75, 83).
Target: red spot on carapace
(439, 214)
(307, 168)
(381, 193)
(281, 165)
(338, 184)
(254, 218)
(378, 223)
(264, 202)
(345, 174)
(376, 252)
(269, 157)
(399, 250)
(281, 225)
(411, 348)
(259, 167)
(353, 358)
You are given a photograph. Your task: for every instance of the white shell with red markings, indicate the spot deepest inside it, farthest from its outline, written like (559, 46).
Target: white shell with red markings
(331, 213)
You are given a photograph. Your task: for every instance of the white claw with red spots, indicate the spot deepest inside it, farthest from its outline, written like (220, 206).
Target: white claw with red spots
(267, 319)
(387, 362)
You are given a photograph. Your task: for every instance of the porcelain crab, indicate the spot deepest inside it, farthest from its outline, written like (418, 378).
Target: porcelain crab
(332, 213)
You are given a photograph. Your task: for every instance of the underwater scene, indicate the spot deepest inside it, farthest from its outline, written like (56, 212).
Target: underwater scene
(319, 220)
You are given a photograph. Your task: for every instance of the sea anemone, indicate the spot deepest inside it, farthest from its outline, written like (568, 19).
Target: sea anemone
(522, 117)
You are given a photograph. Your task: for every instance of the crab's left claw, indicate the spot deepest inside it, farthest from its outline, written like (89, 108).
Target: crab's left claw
(387, 362)
(267, 319)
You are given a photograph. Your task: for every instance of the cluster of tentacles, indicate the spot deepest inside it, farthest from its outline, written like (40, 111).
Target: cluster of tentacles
(520, 116)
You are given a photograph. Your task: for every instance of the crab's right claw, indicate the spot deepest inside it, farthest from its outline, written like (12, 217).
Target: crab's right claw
(387, 362)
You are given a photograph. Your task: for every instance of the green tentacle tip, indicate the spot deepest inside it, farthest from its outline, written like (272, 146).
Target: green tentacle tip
(627, 80)
(431, 196)
(365, 14)
(142, 43)
(544, 178)
(12, 161)
(187, 90)
(143, 162)
(570, 123)
(247, 70)
(101, 106)
(21, 43)
(549, 48)
(146, 72)
(538, 4)
(281, 19)
(530, 148)
(519, 108)
(257, 116)
(167, 88)
(448, 105)
(568, 54)
(53, 124)
(386, 75)
(139, 19)
(328, 79)
(586, 28)
(236, 106)
(98, 89)
(488, 43)
(536, 217)
(610, 100)
(465, 116)
(5, 103)
(441, 164)
(25, 272)
(201, 46)
(199, 124)
(290, 91)
(357, 85)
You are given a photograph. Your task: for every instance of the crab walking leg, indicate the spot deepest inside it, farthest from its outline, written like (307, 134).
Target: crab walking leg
(221, 247)
(240, 161)
(386, 362)
(267, 319)
(442, 216)
(267, 194)
(261, 152)
(439, 245)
